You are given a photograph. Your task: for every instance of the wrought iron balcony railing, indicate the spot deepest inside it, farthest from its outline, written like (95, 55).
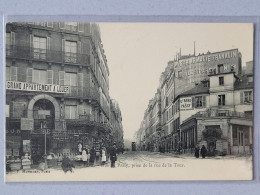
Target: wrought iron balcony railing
(83, 92)
(25, 52)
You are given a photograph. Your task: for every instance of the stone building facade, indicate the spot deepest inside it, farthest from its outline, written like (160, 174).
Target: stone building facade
(57, 82)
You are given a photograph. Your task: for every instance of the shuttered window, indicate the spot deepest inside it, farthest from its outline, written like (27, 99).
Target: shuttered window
(70, 112)
(11, 73)
(39, 76)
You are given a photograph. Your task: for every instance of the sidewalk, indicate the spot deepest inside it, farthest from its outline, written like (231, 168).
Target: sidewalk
(190, 155)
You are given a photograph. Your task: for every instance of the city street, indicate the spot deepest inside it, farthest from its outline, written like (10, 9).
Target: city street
(137, 165)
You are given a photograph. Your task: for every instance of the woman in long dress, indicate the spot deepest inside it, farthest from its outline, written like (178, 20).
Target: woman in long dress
(104, 157)
(84, 157)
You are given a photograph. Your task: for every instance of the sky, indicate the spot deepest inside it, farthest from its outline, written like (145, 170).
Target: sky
(137, 54)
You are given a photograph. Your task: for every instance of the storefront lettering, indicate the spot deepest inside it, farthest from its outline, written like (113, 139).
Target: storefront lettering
(206, 58)
(12, 85)
(186, 103)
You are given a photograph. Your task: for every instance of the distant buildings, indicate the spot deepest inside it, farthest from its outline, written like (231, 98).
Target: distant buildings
(57, 81)
(204, 100)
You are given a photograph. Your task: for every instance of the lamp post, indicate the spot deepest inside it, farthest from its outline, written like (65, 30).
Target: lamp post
(43, 127)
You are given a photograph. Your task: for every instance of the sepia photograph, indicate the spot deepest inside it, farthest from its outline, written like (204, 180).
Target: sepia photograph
(128, 101)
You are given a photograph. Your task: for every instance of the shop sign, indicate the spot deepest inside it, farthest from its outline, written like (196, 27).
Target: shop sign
(186, 103)
(41, 131)
(23, 86)
(27, 124)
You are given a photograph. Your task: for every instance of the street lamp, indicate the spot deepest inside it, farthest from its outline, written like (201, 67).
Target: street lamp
(44, 128)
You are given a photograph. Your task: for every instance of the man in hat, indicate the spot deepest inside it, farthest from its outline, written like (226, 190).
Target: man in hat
(113, 157)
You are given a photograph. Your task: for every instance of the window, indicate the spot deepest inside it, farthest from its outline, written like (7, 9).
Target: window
(221, 80)
(39, 47)
(39, 76)
(180, 74)
(199, 101)
(221, 100)
(71, 26)
(50, 24)
(250, 79)
(70, 51)
(220, 68)
(70, 112)
(70, 79)
(11, 73)
(248, 97)
(166, 101)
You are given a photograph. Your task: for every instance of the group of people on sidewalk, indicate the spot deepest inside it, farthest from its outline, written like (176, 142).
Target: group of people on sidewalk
(92, 156)
(202, 151)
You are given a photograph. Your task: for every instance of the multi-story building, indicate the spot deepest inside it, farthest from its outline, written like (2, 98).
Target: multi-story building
(189, 85)
(223, 117)
(57, 83)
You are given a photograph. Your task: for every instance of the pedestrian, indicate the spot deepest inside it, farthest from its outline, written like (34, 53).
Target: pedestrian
(203, 151)
(92, 156)
(84, 156)
(103, 153)
(66, 164)
(113, 157)
(197, 151)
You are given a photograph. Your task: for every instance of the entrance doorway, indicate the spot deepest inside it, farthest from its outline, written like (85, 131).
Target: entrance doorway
(44, 116)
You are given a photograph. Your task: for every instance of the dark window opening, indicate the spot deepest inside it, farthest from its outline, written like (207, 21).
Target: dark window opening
(221, 80)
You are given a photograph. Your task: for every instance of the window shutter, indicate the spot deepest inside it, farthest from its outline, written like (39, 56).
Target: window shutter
(79, 47)
(80, 27)
(242, 97)
(80, 110)
(48, 43)
(31, 45)
(13, 73)
(204, 101)
(61, 77)
(31, 41)
(12, 38)
(62, 25)
(50, 24)
(7, 73)
(63, 45)
(50, 76)
(193, 102)
(80, 84)
(29, 75)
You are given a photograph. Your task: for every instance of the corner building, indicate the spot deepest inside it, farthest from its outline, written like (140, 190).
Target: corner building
(57, 82)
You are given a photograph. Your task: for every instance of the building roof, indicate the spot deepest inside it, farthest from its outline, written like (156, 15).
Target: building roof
(242, 82)
(199, 89)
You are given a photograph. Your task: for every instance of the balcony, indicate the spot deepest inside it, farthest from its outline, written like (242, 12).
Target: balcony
(90, 93)
(86, 124)
(29, 53)
(222, 113)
